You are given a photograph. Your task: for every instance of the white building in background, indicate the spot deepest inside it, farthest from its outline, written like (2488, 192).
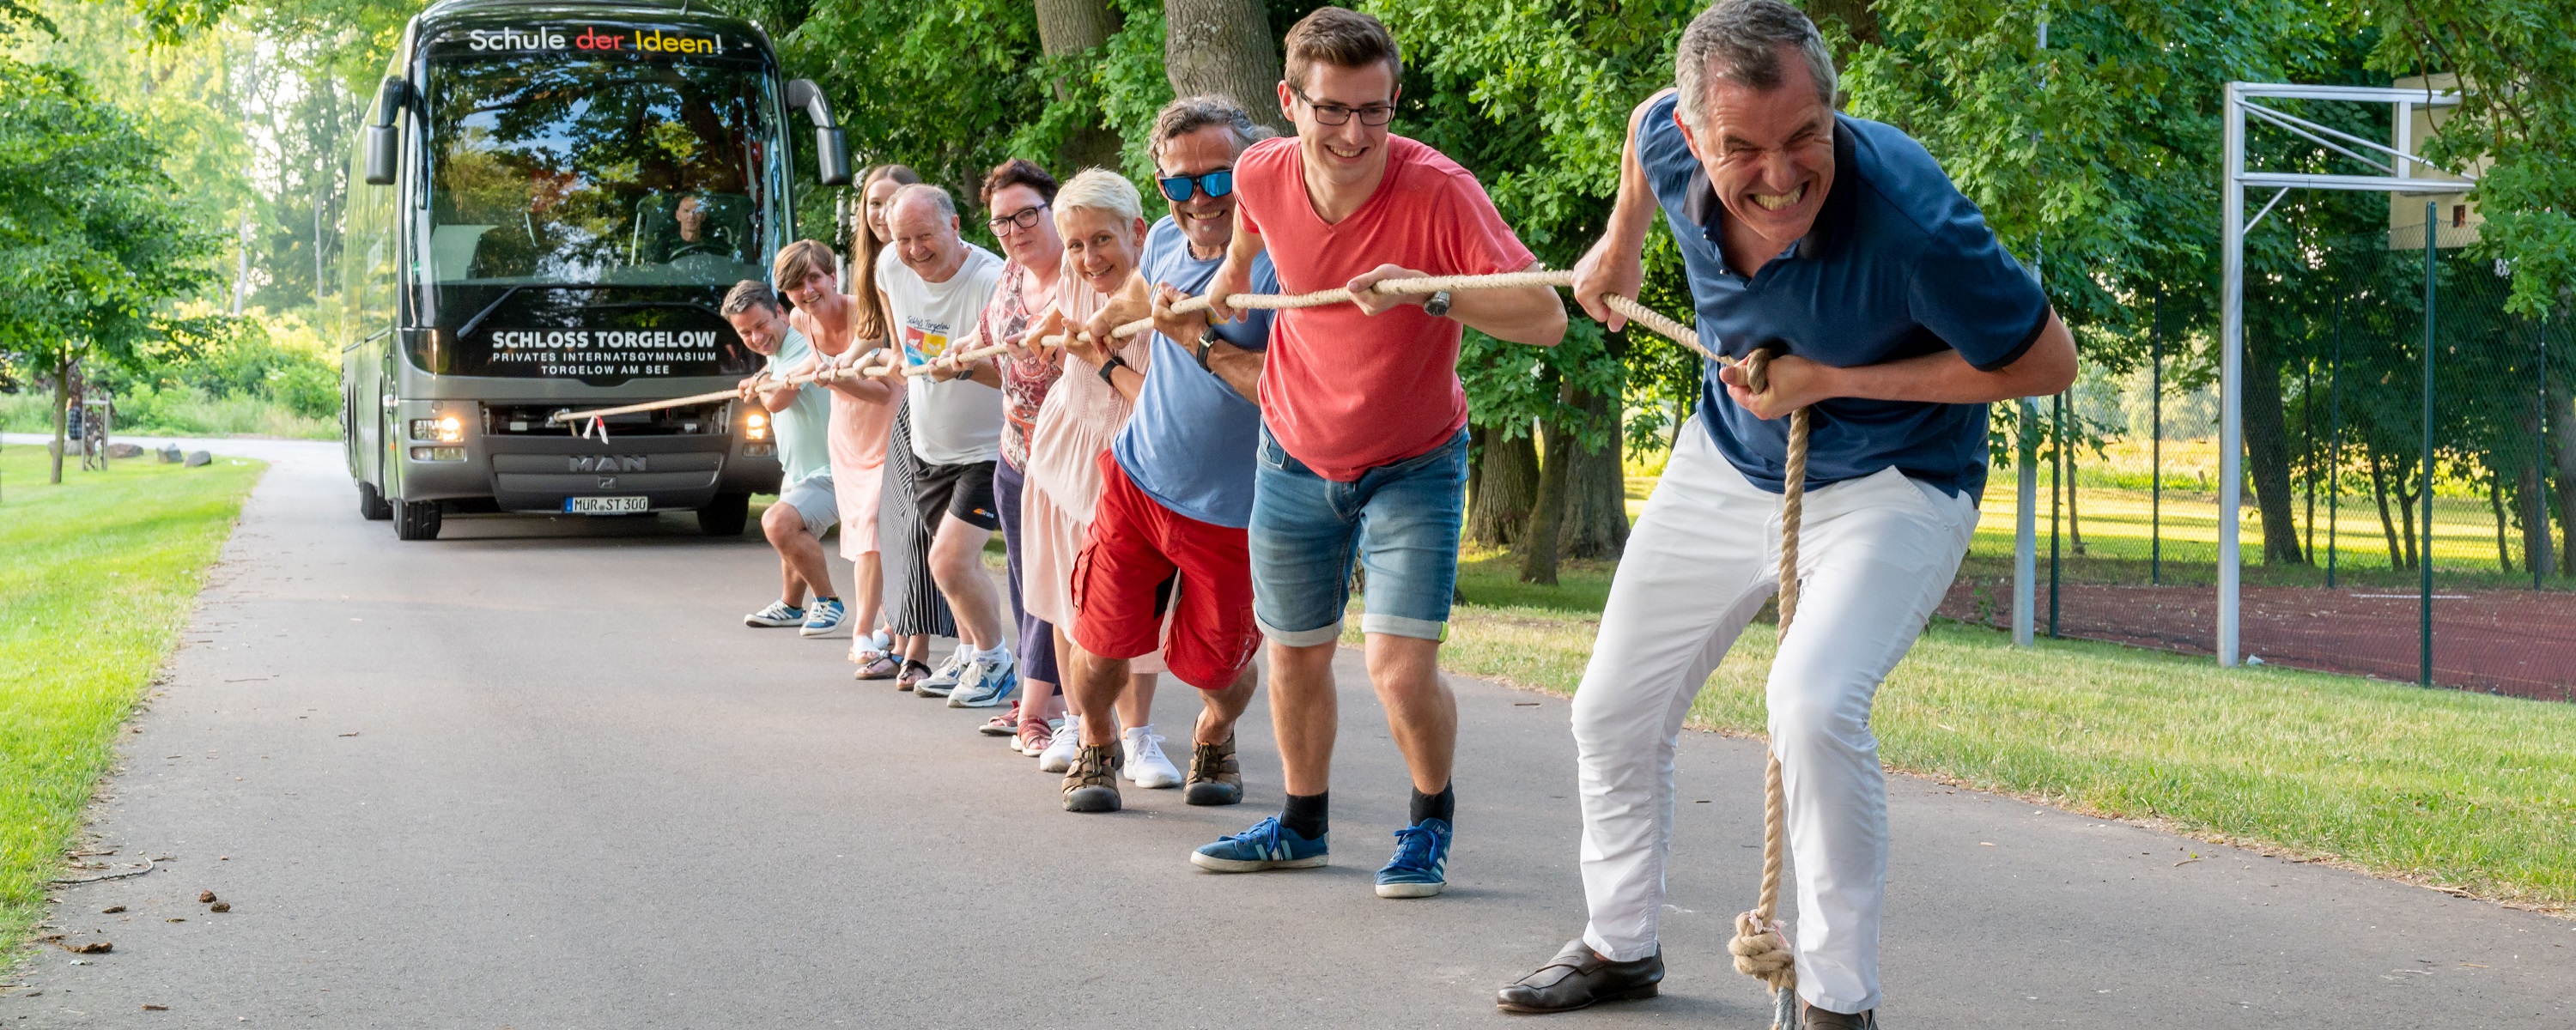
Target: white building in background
(2456, 217)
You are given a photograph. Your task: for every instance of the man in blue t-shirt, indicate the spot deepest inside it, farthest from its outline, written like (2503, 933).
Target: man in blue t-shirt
(1168, 534)
(1840, 243)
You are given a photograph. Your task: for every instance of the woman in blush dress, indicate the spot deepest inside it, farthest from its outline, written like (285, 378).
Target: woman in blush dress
(1101, 217)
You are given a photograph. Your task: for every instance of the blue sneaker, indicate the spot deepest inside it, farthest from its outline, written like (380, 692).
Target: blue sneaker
(1420, 863)
(985, 683)
(1267, 845)
(779, 613)
(822, 618)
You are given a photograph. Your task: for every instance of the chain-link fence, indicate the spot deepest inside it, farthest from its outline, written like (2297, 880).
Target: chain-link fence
(2353, 512)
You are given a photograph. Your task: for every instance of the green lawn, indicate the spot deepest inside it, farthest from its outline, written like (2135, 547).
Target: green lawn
(98, 578)
(2447, 787)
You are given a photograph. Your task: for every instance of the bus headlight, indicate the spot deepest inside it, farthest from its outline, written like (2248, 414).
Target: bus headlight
(756, 427)
(444, 429)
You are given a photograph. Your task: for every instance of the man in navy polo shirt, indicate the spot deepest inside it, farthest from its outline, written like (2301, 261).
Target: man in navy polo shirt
(1840, 242)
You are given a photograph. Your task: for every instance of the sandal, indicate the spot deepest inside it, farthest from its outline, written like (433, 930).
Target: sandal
(913, 672)
(1002, 725)
(1033, 738)
(881, 667)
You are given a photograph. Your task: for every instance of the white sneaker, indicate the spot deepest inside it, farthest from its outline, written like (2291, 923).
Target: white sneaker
(945, 679)
(1146, 765)
(1059, 752)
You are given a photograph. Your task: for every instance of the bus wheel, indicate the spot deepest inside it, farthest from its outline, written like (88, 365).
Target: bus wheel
(417, 520)
(725, 516)
(371, 503)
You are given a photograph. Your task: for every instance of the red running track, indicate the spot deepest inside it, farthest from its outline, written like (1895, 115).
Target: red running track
(2516, 642)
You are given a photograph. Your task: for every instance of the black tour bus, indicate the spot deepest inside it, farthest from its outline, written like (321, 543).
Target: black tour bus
(547, 204)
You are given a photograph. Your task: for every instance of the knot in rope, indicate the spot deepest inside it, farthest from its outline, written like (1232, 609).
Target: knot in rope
(1762, 951)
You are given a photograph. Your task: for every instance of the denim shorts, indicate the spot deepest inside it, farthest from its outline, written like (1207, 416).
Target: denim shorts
(1400, 521)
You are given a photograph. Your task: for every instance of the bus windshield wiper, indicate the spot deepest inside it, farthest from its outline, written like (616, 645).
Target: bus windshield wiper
(467, 329)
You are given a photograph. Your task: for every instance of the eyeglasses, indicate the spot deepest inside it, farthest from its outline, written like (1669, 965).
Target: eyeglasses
(1216, 184)
(1025, 218)
(1336, 114)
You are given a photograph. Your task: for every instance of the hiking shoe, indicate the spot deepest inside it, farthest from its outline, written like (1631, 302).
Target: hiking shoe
(912, 675)
(1813, 1018)
(1267, 845)
(1058, 755)
(1215, 777)
(1092, 784)
(1002, 725)
(1146, 765)
(1420, 863)
(779, 613)
(941, 682)
(1033, 737)
(822, 618)
(985, 682)
(1578, 978)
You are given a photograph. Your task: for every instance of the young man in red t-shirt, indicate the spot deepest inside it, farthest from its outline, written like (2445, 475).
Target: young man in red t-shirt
(1364, 444)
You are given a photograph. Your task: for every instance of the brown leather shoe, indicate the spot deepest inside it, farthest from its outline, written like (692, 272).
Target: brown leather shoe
(1813, 1018)
(1578, 978)
(1215, 777)
(1091, 785)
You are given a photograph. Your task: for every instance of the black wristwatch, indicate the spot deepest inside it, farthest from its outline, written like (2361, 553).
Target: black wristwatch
(1114, 362)
(1438, 305)
(1207, 341)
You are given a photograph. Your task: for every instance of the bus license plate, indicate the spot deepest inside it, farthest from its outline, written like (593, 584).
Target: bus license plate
(605, 505)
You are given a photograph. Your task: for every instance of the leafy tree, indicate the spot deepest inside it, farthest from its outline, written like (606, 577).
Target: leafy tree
(95, 238)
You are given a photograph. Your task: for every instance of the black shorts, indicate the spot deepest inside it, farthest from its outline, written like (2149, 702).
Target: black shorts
(964, 490)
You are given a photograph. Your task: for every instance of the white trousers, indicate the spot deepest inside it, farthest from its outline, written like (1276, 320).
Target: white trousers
(1875, 556)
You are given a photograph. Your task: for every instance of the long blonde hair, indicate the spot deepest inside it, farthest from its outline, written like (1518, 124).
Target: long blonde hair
(871, 323)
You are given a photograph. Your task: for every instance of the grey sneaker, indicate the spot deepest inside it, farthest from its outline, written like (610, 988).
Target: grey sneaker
(1813, 1018)
(945, 680)
(985, 683)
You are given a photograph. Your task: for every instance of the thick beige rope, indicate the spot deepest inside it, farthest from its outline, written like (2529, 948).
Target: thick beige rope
(1761, 944)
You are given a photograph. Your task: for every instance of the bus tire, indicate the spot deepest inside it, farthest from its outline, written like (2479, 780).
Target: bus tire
(725, 516)
(417, 520)
(371, 503)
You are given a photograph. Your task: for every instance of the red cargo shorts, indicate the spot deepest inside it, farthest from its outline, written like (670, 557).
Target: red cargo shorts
(1142, 561)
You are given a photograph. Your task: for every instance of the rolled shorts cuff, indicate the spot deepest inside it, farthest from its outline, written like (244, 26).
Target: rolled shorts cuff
(1399, 626)
(1300, 637)
(814, 502)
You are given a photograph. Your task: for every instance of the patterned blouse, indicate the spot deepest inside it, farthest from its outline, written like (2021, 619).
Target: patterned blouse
(1025, 378)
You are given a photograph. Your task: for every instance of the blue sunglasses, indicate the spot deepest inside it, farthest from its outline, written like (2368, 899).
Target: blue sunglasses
(1217, 184)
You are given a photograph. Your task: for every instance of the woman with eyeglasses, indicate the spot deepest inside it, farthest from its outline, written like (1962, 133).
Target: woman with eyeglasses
(1102, 219)
(1018, 193)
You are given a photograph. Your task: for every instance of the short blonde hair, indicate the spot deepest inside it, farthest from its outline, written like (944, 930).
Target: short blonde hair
(1099, 190)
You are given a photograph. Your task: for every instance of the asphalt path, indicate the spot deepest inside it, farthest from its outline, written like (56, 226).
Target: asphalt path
(537, 774)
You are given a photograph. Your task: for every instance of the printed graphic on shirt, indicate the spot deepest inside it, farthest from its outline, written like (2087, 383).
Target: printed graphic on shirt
(921, 344)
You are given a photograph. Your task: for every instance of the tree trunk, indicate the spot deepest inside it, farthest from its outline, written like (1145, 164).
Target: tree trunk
(2406, 515)
(2074, 526)
(1223, 48)
(1547, 518)
(2562, 431)
(62, 403)
(1596, 488)
(2267, 451)
(1071, 27)
(1502, 486)
(2379, 491)
(2495, 501)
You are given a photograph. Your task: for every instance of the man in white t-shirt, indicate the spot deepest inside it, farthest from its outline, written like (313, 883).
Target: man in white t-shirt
(935, 291)
(805, 509)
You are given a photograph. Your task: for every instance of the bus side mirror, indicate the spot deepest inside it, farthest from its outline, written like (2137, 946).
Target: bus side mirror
(831, 156)
(831, 146)
(382, 138)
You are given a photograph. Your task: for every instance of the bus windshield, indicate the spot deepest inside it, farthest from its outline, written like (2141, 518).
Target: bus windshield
(553, 168)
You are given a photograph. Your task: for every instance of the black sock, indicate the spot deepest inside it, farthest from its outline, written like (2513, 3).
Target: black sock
(1442, 806)
(1306, 814)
